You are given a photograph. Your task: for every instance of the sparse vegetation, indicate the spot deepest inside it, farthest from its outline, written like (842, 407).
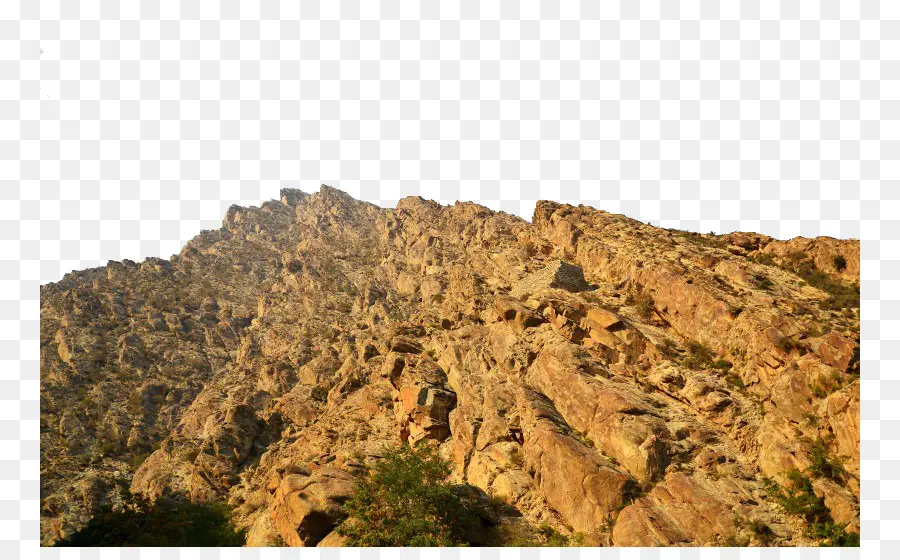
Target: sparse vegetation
(841, 295)
(839, 262)
(668, 348)
(762, 532)
(644, 305)
(169, 521)
(799, 498)
(822, 464)
(762, 282)
(721, 365)
(698, 356)
(764, 258)
(735, 381)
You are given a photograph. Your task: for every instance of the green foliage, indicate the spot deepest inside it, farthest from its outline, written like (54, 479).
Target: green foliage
(841, 295)
(523, 534)
(721, 365)
(762, 532)
(319, 393)
(170, 521)
(705, 239)
(763, 282)
(800, 499)
(734, 380)
(645, 305)
(701, 357)
(668, 348)
(137, 459)
(839, 262)
(822, 465)
(764, 258)
(406, 500)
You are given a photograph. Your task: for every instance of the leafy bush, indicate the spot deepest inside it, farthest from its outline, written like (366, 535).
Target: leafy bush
(406, 500)
(170, 521)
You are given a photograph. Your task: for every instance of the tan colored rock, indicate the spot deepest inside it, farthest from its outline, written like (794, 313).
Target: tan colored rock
(680, 509)
(308, 507)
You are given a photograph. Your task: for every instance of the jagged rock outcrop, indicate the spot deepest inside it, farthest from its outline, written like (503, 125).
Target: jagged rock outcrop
(595, 373)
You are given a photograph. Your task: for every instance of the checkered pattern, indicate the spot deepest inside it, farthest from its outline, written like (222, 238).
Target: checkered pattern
(127, 127)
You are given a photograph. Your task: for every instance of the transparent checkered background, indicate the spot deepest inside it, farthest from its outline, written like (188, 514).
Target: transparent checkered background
(127, 127)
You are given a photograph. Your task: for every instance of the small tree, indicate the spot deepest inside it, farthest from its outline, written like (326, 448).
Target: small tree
(406, 500)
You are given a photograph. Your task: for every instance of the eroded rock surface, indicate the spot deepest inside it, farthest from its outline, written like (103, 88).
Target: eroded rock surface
(593, 372)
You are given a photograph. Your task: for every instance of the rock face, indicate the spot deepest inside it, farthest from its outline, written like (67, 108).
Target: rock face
(595, 373)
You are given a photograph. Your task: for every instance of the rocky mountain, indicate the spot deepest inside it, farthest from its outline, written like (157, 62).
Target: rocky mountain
(639, 385)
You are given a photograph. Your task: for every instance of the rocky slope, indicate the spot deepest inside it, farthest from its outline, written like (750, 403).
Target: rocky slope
(631, 383)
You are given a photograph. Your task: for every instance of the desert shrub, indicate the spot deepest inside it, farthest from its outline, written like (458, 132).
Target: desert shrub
(668, 348)
(839, 262)
(764, 258)
(698, 356)
(798, 498)
(762, 531)
(524, 534)
(734, 380)
(841, 295)
(319, 393)
(762, 282)
(406, 499)
(137, 459)
(644, 305)
(823, 465)
(170, 521)
(721, 365)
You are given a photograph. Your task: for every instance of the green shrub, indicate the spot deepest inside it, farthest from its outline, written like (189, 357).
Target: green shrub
(668, 348)
(524, 534)
(762, 531)
(721, 365)
(735, 381)
(698, 356)
(841, 295)
(839, 262)
(170, 521)
(406, 500)
(763, 282)
(138, 459)
(764, 258)
(822, 465)
(645, 305)
(800, 499)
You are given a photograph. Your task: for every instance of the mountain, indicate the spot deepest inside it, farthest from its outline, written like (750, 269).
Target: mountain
(638, 385)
